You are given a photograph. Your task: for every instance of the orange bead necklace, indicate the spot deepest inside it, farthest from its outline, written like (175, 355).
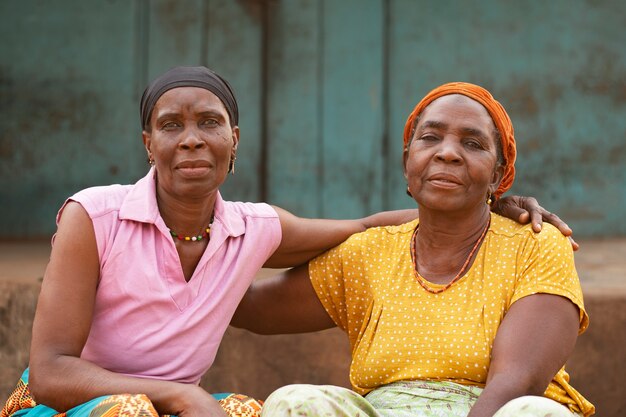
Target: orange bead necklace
(458, 276)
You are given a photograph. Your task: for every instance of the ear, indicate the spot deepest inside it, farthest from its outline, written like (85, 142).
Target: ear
(405, 158)
(235, 132)
(147, 141)
(496, 178)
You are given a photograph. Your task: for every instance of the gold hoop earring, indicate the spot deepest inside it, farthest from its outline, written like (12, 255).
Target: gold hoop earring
(231, 167)
(489, 200)
(150, 160)
(408, 191)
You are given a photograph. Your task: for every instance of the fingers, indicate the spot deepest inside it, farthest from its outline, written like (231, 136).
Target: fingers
(527, 209)
(533, 212)
(556, 221)
(538, 215)
(575, 246)
(511, 207)
(524, 217)
(536, 219)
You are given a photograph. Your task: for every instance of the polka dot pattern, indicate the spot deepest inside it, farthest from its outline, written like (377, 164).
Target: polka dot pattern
(399, 331)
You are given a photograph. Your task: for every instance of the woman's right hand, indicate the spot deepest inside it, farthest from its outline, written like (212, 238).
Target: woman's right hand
(196, 402)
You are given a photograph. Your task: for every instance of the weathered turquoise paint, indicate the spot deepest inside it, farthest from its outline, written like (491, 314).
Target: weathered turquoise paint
(225, 36)
(294, 127)
(352, 112)
(234, 48)
(324, 88)
(558, 67)
(66, 97)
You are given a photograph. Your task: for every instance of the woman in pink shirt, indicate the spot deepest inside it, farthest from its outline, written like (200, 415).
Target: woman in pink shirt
(143, 279)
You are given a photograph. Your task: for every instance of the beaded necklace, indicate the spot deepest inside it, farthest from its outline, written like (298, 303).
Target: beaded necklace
(423, 282)
(197, 238)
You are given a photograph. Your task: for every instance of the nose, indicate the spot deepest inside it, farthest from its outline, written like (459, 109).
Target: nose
(448, 151)
(191, 139)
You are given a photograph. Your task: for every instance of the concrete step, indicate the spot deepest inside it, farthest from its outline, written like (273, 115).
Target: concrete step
(256, 365)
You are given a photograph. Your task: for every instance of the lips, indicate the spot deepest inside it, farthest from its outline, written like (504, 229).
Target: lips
(193, 168)
(445, 178)
(198, 163)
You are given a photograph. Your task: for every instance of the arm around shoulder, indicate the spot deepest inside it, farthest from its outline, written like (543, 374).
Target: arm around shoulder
(303, 239)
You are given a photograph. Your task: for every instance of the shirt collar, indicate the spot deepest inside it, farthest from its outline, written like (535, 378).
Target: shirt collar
(140, 205)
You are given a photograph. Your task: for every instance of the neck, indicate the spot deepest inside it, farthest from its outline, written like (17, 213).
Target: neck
(443, 228)
(446, 241)
(187, 217)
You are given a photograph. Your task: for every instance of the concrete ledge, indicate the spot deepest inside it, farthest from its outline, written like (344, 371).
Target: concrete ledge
(256, 365)
(17, 309)
(597, 365)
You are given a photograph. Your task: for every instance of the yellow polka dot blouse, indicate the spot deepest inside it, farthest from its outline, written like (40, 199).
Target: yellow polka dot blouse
(398, 331)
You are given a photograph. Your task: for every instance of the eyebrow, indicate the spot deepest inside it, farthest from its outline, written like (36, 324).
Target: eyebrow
(434, 124)
(167, 115)
(175, 114)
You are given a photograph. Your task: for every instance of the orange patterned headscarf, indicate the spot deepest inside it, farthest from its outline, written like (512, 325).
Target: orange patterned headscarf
(496, 111)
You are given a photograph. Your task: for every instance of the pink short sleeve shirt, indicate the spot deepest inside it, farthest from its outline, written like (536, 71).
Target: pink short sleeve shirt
(148, 321)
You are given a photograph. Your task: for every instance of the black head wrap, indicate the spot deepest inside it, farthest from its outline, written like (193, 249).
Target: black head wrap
(188, 77)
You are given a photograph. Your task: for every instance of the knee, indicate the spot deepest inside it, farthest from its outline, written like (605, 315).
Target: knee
(316, 400)
(291, 397)
(533, 406)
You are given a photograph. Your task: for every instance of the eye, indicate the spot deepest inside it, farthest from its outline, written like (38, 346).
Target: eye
(170, 125)
(473, 143)
(209, 122)
(428, 138)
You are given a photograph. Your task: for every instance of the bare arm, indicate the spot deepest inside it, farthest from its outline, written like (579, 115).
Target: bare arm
(284, 303)
(533, 342)
(303, 239)
(62, 324)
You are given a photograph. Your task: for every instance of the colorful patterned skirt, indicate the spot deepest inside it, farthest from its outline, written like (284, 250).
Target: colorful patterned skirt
(22, 404)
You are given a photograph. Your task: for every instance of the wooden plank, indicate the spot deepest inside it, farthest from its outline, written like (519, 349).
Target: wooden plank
(293, 114)
(352, 110)
(68, 116)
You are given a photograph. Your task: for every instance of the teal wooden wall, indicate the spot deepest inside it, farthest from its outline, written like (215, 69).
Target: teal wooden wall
(324, 88)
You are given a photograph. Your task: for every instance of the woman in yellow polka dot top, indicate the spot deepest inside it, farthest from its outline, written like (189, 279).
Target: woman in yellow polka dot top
(461, 312)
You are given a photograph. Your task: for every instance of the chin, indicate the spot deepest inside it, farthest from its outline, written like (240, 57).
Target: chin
(444, 203)
(195, 190)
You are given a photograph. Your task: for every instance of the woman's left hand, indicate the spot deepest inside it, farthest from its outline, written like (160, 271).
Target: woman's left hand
(527, 209)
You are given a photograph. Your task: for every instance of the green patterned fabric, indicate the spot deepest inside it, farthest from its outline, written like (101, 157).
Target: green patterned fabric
(424, 398)
(399, 399)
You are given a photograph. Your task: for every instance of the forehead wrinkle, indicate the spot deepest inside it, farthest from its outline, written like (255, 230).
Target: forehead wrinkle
(177, 107)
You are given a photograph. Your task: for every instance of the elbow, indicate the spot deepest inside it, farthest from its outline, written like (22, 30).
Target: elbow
(246, 316)
(41, 385)
(38, 385)
(535, 386)
(521, 383)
